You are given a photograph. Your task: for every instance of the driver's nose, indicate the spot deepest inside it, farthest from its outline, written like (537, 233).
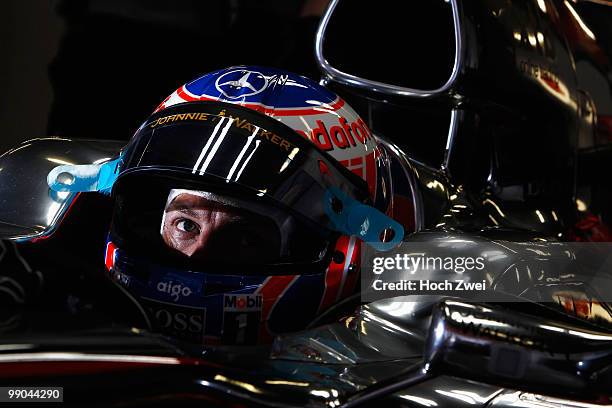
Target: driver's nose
(201, 247)
(204, 245)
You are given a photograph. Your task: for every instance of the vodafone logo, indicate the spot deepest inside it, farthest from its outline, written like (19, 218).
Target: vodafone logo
(339, 135)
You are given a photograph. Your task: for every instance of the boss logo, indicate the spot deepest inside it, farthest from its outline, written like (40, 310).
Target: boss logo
(186, 323)
(175, 290)
(242, 303)
(179, 321)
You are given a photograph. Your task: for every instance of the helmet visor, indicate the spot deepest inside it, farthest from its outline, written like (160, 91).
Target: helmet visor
(242, 150)
(198, 228)
(223, 184)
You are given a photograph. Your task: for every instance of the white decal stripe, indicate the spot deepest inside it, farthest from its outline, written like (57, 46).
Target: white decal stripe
(257, 143)
(215, 147)
(287, 109)
(207, 146)
(241, 155)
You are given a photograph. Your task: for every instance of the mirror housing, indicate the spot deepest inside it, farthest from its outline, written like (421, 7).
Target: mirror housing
(377, 86)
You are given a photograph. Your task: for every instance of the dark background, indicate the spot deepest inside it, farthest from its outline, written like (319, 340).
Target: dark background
(27, 45)
(98, 68)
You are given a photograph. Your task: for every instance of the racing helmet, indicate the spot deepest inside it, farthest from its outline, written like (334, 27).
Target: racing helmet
(241, 205)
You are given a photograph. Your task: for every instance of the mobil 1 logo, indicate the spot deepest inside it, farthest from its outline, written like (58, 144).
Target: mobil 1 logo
(241, 318)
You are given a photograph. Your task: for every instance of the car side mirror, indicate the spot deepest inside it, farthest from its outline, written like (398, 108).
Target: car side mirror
(411, 48)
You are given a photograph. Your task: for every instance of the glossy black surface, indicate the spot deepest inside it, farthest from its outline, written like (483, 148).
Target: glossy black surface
(501, 155)
(502, 346)
(28, 209)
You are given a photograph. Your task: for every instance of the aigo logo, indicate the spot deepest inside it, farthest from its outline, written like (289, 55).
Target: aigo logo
(175, 290)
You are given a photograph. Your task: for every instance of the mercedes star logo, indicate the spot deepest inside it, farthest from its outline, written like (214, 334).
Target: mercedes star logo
(240, 83)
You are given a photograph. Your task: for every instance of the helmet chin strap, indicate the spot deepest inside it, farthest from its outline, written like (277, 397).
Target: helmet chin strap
(84, 177)
(355, 218)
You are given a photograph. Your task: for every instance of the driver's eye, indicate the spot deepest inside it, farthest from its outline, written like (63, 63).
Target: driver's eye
(186, 225)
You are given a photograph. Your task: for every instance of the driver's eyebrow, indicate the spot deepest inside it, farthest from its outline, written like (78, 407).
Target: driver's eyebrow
(191, 211)
(185, 210)
(194, 207)
(179, 205)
